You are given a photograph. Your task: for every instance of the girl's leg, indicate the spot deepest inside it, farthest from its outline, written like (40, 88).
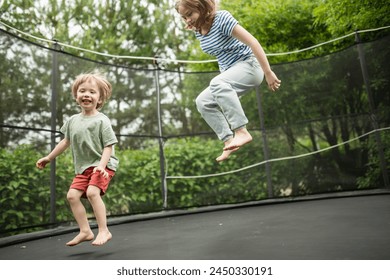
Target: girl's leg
(220, 105)
(99, 209)
(80, 216)
(227, 89)
(214, 117)
(212, 114)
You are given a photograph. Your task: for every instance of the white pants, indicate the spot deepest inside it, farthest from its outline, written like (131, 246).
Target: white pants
(219, 104)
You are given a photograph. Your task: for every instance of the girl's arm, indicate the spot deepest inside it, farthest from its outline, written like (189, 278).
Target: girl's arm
(244, 36)
(59, 149)
(104, 161)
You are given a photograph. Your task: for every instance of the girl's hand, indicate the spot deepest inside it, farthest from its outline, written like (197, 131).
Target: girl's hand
(41, 163)
(101, 170)
(272, 81)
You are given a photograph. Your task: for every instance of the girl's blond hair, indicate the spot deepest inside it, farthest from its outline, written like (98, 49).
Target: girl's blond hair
(205, 8)
(103, 84)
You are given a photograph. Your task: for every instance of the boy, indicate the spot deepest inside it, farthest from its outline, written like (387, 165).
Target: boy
(92, 139)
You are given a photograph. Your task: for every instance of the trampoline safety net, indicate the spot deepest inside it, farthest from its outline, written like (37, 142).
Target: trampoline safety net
(325, 130)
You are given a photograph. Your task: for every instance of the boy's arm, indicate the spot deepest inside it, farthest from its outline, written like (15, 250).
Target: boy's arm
(59, 149)
(104, 161)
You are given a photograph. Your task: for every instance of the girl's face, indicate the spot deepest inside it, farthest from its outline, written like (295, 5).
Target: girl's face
(189, 16)
(88, 97)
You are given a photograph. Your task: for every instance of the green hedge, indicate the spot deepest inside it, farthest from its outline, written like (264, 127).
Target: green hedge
(137, 186)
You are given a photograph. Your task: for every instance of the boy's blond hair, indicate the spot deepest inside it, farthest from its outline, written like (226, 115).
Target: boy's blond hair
(101, 81)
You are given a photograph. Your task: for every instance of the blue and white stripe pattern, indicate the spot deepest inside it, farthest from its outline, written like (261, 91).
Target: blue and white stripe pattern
(220, 43)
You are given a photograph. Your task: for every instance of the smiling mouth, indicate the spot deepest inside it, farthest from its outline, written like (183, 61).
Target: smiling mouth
(86, 101)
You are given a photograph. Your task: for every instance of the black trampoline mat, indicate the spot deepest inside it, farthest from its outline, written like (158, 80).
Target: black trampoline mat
(346, 228)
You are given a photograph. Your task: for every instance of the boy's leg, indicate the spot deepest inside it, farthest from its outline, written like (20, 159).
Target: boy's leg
(99, 209)
(80, 216)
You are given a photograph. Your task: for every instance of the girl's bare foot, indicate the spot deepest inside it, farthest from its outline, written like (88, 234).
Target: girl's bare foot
(241, 137)
(102, 238)
(225, 154)
(81, 237)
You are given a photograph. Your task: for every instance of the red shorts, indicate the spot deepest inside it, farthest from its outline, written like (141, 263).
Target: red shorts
(88, 178)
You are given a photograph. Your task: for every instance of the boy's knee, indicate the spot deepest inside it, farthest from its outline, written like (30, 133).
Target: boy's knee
(71, 196)
(93, 193)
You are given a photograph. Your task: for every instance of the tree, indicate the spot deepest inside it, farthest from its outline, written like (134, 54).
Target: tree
(119, 28)
(342, 17)
(280, 25)
(149, 28)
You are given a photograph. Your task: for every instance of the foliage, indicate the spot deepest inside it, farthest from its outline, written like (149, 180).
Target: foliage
(194, 157)
(280, 25)
(291, 25)
(138, 28)
(374, 174)
(342, 17)
(136, 187)
(24, 192)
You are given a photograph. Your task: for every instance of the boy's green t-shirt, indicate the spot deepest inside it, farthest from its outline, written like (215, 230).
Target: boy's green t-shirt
(88, 135)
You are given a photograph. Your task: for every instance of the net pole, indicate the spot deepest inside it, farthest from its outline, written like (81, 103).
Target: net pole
(265, 143)
(366, 78)
(160, 139)
(53, 126)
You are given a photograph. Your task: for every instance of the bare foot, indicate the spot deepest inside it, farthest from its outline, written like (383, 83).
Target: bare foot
(225, 154)
(241, 137)
(102, 238)
(81, 237)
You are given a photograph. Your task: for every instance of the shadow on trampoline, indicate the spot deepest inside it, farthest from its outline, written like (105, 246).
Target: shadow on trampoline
(338, 227)
(89, 255)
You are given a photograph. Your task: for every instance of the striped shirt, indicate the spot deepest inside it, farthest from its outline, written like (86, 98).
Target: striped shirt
(220, 43)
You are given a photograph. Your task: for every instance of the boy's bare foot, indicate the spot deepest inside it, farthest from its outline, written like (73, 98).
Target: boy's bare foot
(102, 238)
(241, 137)
(81, 237)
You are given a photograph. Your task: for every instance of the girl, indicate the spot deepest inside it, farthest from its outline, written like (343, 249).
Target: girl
(242, 63)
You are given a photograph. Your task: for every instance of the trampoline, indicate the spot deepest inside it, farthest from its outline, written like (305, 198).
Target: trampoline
(338, 227)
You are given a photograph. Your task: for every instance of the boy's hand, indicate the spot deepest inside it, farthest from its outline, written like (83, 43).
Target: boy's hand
(101, 170)
(41, 163)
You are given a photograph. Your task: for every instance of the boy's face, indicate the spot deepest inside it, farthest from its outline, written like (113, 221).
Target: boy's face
(88, 97)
